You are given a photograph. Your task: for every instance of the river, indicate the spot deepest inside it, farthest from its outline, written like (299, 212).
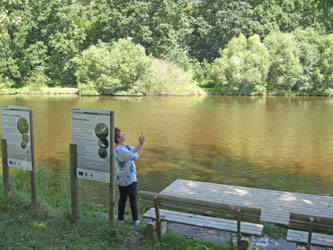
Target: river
(280, 143)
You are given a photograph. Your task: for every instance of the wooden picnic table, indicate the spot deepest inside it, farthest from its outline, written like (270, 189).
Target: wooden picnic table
(275, 206)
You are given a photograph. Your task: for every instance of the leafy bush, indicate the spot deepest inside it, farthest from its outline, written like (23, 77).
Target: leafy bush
(308, 52)
(242, 67)
(36, 81)
(120, 68)
(5, 84)
(285, 68)
(169, 79)
(326, 64)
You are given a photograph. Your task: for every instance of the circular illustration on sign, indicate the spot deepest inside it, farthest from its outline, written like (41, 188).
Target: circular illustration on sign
(25, 138)
(102, 153)
(101, 130)
(22, 125)
(103, 143)
(23, 145)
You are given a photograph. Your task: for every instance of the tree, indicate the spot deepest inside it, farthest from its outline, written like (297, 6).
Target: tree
(120, 68)
(326, 64)
(285, 68)
(242, 67)
(307, 42)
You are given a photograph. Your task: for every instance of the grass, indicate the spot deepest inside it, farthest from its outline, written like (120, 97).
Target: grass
(275, 231)
(50, 227)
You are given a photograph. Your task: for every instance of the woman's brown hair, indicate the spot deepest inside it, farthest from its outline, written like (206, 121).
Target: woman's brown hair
(116, 134)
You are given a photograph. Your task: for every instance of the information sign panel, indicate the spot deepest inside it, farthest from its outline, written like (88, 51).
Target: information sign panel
(91, 134)
(16, 130)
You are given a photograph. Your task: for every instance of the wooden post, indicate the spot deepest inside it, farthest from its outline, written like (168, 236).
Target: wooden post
(75, 199)
(112, 188)
(308, 246)
(238, 227)
(5, 168)
(158, 218)
(33, 170)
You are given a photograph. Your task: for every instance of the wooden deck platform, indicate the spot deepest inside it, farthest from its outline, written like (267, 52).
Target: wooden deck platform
(275, 205)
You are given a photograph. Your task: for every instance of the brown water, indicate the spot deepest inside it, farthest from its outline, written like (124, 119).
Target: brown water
(281, 143)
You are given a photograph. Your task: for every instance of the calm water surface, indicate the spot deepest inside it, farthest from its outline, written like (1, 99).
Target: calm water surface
(281, 143)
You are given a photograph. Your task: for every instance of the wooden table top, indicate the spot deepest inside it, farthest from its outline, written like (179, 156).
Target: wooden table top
(275, 206)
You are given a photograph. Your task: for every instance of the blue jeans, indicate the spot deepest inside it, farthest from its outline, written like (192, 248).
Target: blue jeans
(131, 192)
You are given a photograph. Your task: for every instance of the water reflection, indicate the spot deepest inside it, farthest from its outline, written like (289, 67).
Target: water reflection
(282, 143)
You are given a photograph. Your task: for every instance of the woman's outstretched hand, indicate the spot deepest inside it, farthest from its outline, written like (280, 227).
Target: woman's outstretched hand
(142, 139)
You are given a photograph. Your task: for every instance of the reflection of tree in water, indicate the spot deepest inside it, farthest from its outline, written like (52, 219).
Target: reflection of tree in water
(22, 125)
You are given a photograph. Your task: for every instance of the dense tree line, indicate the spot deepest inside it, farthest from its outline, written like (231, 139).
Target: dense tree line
(113, 46)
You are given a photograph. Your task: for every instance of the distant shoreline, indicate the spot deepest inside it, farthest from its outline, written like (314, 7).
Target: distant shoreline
(75, 91)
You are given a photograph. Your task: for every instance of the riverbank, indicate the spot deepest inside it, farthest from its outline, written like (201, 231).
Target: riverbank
(41, 91)
(206, 91)
(51, 228)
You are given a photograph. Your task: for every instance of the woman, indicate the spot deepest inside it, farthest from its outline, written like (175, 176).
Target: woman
(126, 174)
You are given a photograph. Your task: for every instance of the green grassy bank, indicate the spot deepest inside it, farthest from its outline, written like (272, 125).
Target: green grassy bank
(50, 227)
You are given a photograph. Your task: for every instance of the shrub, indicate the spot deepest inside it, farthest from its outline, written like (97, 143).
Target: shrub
(36, 81)
(122, 67)
(169, 79)
(326, 64)
(308, 52)
(285, 68)
(242, 67)
(5, 84)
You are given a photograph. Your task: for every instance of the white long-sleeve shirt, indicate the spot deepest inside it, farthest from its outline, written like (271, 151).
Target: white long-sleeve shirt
(125, 166)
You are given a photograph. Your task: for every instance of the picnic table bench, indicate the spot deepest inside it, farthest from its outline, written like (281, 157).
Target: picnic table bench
(275, 206)
(305, 225)
(241, 220)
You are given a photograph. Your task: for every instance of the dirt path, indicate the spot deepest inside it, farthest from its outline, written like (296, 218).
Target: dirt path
(221, 237)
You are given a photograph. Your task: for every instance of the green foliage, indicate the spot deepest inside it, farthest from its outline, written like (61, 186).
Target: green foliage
(176, 242)
(122, 67)
(324, 5)
(275, 231)
(5, 84)
(285, 68)
(243, 66)
(326, 64)
(36, 82)
(202, 75)
(169, 79)
(47, 37)
(308, 41)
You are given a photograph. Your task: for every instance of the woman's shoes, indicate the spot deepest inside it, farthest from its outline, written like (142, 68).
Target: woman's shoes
(136, 223)
(121, 222)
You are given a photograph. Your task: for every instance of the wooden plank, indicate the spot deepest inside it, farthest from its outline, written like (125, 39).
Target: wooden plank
(267, 200)
(317, 239)
(301, 222)
(204, 203)
(218, 188)
(205, 221)
(167, 214)
(254, 200)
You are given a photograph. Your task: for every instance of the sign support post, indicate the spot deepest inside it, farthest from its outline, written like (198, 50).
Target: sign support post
(33, 170)
(112, 174)
(5, 168)
(75, 200)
